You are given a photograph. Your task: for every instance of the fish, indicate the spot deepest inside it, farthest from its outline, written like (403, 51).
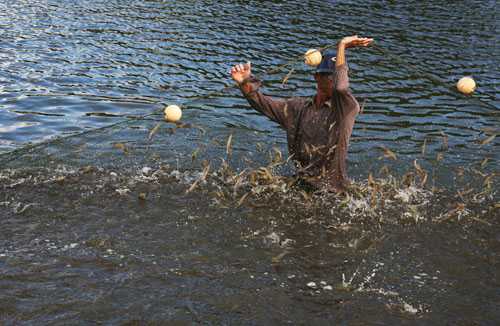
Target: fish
(487, 140)
(277, 259)
(122, 147)
(242, 199)
(285, 80)
(205, 172)
(388, 153)
(464, 193)
(421, 172)
(202, 178)
(306, 196)
(193, 186)
(488, 181)
(384, 170)
(194, 154)
(153, 131)
(279, 155)
(228, 145)
(371, 181)
(239, 178)
(424, 146)
(460, 207)
(484, 162)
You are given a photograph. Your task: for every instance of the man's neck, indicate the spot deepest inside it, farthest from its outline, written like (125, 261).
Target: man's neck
(321, 98)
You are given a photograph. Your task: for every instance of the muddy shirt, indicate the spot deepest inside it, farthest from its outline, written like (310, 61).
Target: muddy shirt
(318, 137)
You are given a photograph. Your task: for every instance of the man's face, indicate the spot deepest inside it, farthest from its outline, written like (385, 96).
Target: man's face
(324, 82)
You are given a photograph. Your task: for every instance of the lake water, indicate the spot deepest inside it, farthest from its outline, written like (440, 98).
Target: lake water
(108, 226)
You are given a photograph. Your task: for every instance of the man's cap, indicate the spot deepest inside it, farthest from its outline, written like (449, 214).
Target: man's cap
(327, 65)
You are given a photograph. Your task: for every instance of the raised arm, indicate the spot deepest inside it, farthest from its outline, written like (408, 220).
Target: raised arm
(347, 108)
(350, 42)
(341, 77)
(275, 109)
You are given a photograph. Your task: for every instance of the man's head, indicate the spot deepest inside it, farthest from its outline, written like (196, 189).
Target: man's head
(327, 64)
(324, 73)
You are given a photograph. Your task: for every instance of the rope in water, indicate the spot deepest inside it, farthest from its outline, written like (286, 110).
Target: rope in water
(396, 58)
(11, 155)
(291, 61)
(14, 154)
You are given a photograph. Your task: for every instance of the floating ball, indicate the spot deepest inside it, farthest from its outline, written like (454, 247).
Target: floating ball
(173, 113)
(313, 57)
(466, 85)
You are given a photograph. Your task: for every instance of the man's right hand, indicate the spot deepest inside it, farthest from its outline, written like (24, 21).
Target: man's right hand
(241, 71)
(355, 41)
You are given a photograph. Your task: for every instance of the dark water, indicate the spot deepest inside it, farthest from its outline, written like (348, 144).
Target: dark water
(117, 244)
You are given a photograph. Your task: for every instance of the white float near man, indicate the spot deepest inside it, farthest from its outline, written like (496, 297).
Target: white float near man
(173, 113)
(466, 85)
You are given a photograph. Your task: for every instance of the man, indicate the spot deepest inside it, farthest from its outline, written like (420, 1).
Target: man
(318, 128)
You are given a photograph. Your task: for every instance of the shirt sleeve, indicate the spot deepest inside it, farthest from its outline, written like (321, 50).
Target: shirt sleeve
(278, 110)
(347, 108)
(341, 78)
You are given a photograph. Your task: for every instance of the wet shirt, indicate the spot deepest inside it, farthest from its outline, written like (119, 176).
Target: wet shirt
(318, 137)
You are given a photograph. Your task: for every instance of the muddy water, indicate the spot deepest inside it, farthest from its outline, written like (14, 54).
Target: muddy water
(92, 245)
(122, 226)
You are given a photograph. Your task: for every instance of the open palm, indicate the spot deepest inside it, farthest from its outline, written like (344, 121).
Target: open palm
(355, 41)
(241, 71)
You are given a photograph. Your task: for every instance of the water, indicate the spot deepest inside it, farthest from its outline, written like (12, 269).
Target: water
(80, 246)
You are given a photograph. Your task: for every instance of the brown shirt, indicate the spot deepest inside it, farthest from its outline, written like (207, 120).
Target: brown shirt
(318, 137)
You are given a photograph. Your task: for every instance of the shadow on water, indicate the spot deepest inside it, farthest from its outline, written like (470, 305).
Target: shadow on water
(153, 222)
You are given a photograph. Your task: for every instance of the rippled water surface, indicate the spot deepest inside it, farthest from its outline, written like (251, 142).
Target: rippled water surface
(108, 226)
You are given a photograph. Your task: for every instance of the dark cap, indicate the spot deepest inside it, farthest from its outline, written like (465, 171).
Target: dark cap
(327, 65)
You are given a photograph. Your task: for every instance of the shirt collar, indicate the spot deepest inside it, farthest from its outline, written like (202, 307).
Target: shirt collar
(327, 103)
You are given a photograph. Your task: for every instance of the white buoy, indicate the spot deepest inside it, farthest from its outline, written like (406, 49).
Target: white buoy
(466, 85)
(173, 113)
(313, 57)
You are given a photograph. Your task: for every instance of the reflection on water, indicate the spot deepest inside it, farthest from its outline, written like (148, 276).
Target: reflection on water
(168, 52)
(123, 225)
(14, 127)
